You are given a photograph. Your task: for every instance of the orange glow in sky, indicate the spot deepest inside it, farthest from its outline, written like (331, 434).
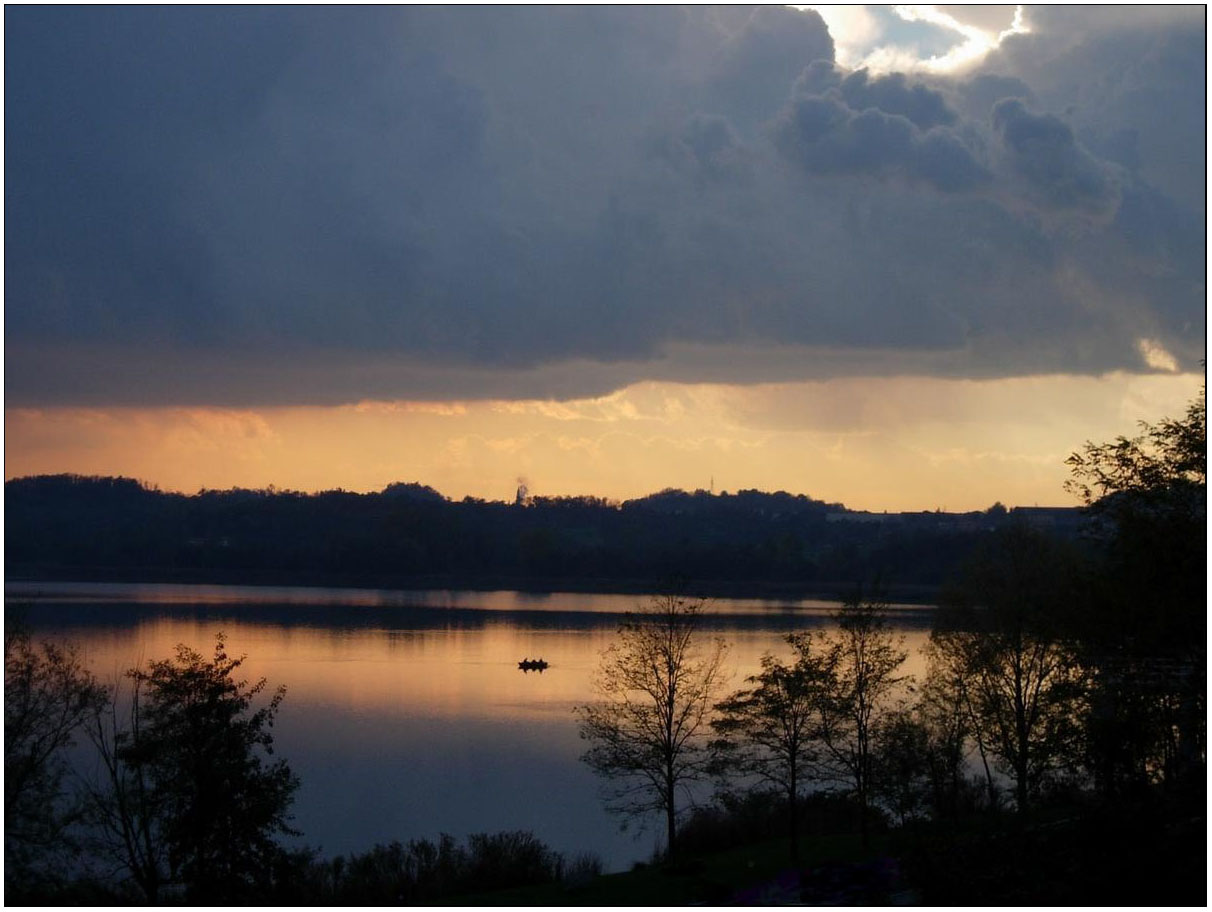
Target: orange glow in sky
(876, 444)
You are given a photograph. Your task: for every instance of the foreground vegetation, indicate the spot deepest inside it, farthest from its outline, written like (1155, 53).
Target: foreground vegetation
(1070, 856)
(1055, 751)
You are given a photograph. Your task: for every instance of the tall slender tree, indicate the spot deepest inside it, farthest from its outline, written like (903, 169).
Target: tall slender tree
(944, 708)
(863, 656)
(769, 729)
(648, 732)
(1001, 634)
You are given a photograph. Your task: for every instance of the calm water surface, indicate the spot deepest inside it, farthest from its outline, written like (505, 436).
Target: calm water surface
(406, 715)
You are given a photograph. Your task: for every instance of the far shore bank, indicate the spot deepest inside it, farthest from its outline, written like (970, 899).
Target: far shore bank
(910, 594)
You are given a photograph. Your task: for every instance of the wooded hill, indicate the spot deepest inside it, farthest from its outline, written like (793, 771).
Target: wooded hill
(71, 526)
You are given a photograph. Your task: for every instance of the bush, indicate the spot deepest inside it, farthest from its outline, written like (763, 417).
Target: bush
(421, 871)
(743, 818)
(583, 868)
(510, 860)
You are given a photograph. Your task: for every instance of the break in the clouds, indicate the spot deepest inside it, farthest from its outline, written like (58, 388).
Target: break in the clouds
(240, 206)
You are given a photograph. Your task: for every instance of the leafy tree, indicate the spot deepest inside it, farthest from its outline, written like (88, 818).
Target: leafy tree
(902, 762)
(1146, 646)
(189, 797)
(863, 656)
(1000, 634)
(945, 712)
(1170, 457)
(769, 729)
(657, 684)
(1147, 496)
(48, 696)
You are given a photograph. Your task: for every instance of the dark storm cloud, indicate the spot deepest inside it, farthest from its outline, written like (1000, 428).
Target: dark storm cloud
(765, 50)
(977, 96)
(848, 123)
(707, 148)
(892, 94)
(824, 134)
(1127, 79)
(321, 204)
(1043, 149)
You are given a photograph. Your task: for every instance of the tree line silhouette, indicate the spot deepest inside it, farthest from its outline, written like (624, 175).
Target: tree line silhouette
(68, 526)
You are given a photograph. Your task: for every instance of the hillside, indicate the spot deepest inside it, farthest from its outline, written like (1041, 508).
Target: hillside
(68, 526)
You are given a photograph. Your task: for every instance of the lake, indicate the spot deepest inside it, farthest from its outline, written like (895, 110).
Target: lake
(406, 714)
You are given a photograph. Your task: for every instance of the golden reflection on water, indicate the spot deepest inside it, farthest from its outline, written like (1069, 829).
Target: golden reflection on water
(450, 672)
(405, 722)
(196, 594)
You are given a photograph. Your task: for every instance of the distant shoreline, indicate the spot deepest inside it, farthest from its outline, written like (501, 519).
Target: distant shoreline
(914, 594)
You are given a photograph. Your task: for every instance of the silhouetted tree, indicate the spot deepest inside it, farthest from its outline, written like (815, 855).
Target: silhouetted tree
(945, 712)
(901, 771)
(1166, 459)
(658, 683)
(48, 696)
(769, 730)
(1000, 634)
(862, 656)
(1146, 646)
(188, 797)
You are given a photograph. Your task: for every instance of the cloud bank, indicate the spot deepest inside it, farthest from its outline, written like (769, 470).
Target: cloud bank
(257, 206)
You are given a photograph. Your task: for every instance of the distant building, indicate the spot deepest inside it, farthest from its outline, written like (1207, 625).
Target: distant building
(1064, 520)
(859, 516)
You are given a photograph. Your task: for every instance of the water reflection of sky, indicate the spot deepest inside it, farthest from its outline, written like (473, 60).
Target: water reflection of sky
(496, 600)
(407, 720)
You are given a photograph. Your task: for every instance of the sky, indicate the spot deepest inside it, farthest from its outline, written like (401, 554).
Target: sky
(897, 257)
